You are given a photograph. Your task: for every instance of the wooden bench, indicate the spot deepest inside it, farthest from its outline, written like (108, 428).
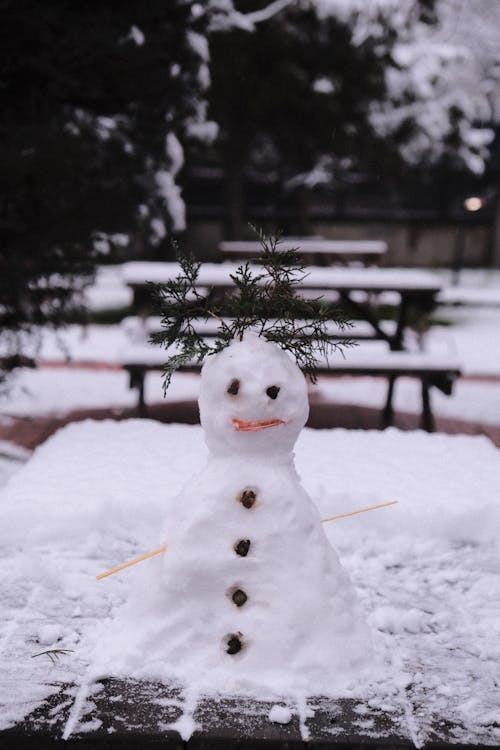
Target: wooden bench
(440, 373)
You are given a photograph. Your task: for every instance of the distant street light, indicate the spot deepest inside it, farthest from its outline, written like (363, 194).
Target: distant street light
(474, 203)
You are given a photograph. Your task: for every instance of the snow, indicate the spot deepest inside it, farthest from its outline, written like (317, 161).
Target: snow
(174, 152)
(12, 458)
(108, 291)
(170, 193)
(217, 274)
(323, 86)
(280, 714)
(137, 35)
(425, 570)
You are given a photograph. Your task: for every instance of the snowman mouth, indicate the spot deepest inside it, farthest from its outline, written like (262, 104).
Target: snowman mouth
(255, 424)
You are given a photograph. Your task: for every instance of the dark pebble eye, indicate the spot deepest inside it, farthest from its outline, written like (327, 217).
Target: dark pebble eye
(273, 391)
(234, 644)
(233, 387)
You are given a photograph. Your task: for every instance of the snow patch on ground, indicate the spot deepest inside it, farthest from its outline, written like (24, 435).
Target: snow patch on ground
(426, 570)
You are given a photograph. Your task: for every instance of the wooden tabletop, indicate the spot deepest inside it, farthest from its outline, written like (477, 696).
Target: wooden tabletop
(139, 273)
(332, 250)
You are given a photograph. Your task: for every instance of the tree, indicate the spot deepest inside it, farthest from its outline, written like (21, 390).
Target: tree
(437, 89)
(294, 98)
(326, 89)
(95, 102)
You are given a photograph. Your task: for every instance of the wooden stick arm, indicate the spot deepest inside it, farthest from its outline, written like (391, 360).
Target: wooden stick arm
(158, 550)
(134, 560)
(360, 510)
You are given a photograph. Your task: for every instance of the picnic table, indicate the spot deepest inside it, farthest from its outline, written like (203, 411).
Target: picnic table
(316, 250)
(357, 289)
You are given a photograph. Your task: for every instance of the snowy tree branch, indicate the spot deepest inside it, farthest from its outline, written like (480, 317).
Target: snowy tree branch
(268, 12)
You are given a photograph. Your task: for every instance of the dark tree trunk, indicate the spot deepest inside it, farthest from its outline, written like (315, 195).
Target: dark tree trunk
(234, 200)
(303, 198)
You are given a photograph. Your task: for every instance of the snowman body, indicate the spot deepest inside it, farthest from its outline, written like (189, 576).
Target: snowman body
(249, 592)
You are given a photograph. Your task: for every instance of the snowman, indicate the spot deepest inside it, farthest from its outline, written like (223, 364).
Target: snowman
(249, 595)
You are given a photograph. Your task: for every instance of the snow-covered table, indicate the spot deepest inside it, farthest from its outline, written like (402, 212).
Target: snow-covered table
(358, 289)
(313, 250)
(416, 290)
(426, 572)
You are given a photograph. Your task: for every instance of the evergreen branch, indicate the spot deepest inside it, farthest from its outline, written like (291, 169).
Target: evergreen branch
(265, 299)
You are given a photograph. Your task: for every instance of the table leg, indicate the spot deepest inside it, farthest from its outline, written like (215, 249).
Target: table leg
(397, 340)
(365, 313)
(388, 412)
(137, 376)
(427, 419)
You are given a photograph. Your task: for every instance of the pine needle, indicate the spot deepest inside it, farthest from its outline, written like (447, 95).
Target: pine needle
(54, 653)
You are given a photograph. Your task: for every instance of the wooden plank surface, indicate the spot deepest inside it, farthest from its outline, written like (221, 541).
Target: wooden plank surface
(138, 273)
(133, 715)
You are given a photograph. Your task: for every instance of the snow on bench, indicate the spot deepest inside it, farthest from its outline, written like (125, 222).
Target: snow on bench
(470, 296)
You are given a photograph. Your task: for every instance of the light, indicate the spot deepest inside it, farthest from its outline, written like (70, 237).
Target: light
(474, 203)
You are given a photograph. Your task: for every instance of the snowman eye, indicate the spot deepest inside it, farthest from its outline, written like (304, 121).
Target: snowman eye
(273, 391)
(233, 387)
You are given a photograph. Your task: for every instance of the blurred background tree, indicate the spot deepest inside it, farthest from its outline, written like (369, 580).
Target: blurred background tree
(107, 109)
(325, 91)
(95, 102)
(293, 103)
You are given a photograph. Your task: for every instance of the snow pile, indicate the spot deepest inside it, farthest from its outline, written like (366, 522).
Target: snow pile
(425, 570)
(249, 596)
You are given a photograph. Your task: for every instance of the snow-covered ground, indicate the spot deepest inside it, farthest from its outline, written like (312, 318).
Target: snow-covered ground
(426, 570)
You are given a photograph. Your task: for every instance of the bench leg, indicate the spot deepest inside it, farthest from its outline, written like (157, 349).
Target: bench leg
(137, 376)
(427, 419)
(388, 413)
(141, 402)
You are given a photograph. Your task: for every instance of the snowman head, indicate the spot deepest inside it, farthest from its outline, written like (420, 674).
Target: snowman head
(253, 399)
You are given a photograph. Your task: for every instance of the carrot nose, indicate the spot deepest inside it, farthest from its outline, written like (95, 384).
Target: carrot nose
(254, 425)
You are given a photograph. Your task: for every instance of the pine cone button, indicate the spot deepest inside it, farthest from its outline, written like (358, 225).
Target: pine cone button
(241, 548)
(234, 644)
(248, 498)
(239, 597)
